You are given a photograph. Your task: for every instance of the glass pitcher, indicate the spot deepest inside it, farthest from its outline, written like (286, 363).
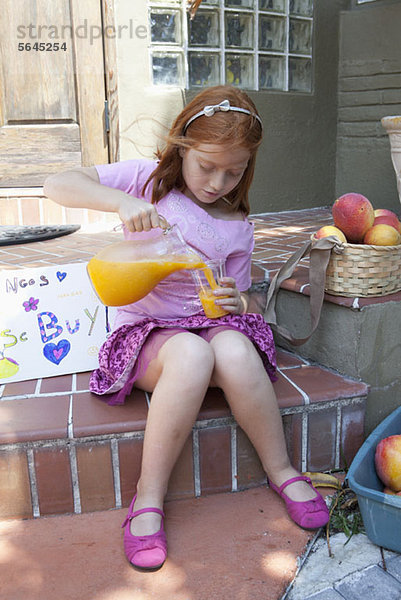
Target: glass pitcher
(125, 272)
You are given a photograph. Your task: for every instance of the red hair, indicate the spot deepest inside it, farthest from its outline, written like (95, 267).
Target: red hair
(231, 129)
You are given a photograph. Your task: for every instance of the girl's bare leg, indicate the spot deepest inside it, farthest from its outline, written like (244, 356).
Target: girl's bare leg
(179, 378)
(239, 371)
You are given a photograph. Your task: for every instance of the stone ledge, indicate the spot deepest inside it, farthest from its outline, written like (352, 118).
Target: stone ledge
(299, 282)
(93, 450)
(363, 342)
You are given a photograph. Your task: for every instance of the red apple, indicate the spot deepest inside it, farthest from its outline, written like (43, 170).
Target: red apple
(388, 462)
(384, 212)
(330, 230)
(388, 220)
(354, 215)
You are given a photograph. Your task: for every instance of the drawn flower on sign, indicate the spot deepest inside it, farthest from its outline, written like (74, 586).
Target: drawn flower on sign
(31, 304)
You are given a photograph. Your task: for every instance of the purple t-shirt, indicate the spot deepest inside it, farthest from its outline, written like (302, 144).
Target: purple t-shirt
(210, 238)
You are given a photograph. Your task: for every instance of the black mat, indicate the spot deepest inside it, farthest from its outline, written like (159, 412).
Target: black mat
(24, 234)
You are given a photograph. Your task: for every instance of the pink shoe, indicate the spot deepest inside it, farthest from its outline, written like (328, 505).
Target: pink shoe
(145, 552)
(310, 514)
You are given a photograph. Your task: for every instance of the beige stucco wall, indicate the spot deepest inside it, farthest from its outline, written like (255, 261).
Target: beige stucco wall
(145, 111)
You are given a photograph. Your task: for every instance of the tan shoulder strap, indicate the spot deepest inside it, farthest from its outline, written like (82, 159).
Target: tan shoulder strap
(319, 251)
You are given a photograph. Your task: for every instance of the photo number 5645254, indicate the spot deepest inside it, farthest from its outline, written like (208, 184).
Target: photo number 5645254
(42, 47)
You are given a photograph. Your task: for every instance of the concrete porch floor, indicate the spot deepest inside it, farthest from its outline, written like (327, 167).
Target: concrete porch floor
(223, 546)
(231, 545)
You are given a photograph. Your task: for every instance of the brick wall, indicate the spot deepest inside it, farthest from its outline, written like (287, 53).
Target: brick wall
(22, 208)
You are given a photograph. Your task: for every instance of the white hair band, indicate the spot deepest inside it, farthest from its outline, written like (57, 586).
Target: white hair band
(224, 106)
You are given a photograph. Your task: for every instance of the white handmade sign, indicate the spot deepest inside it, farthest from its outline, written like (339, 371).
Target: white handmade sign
(51, 322)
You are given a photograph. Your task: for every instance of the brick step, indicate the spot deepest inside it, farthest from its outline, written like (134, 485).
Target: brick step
(62, 450)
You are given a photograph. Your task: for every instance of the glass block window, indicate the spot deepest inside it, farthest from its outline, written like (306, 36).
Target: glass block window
(253, 44)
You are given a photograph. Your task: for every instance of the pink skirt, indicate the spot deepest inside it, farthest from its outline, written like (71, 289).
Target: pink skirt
(126, 354)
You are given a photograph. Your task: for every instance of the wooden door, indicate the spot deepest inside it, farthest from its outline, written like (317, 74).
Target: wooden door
(52, 89)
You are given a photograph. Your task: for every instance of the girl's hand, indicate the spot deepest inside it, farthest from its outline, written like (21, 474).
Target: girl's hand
(235, 302)
(138, 215)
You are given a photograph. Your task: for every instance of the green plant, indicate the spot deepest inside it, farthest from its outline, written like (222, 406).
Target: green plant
(345, 516)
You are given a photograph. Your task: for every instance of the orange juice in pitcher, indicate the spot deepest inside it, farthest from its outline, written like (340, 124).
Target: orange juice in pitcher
(119, 282)
(127, 271)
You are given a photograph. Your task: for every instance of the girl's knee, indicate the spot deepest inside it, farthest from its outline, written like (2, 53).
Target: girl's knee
(233, 348)
(188, 351)
(236, 357)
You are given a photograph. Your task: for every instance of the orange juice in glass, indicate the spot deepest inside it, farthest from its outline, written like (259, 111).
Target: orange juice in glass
(206, 281)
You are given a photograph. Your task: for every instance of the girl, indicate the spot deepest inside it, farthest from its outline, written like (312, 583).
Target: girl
(164, 343)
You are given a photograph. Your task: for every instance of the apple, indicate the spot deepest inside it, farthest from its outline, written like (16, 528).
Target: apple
(384, 212)
(388, 462)
(330, 230)
(387, 490)
(382, 235)
(354, 215)
(388, 220)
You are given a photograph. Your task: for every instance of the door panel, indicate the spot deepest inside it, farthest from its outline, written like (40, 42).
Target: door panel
(52, 101)
(39, 85)
(34, 151)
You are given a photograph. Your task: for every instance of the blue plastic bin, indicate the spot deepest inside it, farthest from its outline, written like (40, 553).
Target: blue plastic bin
(381, 513)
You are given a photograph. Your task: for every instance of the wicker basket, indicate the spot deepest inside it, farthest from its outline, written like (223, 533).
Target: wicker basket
(365, 271)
